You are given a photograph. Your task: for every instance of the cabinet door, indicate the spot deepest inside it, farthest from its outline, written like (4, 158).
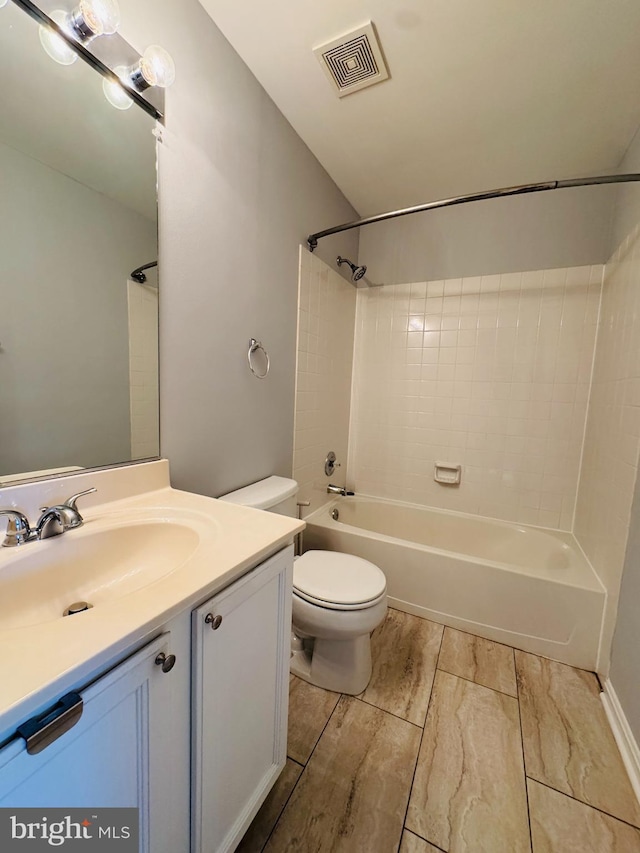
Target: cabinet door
(111, 754)
(240, 702)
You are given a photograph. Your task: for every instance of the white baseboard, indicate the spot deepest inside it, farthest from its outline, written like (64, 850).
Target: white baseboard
(627, 743)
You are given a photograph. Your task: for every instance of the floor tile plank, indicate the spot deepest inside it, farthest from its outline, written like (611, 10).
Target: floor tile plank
(353, 793)
(560, 824)
(469, 790)
(487, 663)
(404, 651)
(309, 710)
(568, 743)
(256, 836)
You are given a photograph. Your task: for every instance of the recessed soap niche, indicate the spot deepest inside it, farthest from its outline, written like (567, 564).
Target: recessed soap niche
(447, 474)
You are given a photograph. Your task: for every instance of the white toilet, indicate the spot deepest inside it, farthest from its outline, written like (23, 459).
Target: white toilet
(338, 600)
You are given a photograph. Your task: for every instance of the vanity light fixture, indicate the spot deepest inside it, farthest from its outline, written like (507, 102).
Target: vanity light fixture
(65, 35)
(155, 68)
(90, 19)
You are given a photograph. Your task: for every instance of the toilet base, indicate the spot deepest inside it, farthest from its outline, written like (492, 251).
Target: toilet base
(343, 666)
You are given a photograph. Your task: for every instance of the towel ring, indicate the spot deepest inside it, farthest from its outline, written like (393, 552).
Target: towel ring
(254, 346)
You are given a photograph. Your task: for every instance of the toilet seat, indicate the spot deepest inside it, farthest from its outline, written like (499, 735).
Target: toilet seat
(338, 581)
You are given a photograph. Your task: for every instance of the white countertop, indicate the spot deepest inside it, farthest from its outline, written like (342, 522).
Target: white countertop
(41, 662)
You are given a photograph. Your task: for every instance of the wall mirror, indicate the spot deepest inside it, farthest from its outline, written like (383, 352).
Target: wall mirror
(78, 213)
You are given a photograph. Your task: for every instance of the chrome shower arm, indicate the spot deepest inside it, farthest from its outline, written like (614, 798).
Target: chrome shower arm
(138, 273)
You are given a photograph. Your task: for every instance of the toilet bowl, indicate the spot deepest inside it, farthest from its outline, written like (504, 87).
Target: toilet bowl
(338, 600)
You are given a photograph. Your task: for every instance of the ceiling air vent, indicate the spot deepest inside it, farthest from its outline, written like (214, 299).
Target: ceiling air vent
(353, 61)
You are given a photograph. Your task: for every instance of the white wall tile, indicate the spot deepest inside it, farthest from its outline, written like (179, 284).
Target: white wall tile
(326, 322)
(489, 372)
(612, 441)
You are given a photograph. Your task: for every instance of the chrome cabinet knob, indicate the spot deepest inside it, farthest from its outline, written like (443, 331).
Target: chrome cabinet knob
(214, 621)
(167, 662)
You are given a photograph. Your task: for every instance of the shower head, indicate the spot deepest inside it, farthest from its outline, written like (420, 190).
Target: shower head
(356, 272)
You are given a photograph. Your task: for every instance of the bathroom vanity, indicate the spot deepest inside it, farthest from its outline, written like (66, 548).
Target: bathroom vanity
(172, 697)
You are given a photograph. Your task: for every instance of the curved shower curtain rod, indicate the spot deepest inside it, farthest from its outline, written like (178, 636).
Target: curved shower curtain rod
(312, 240)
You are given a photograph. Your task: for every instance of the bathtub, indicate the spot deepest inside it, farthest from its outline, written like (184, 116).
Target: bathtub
(524, 586)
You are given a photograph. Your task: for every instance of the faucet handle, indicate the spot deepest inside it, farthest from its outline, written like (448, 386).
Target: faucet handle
(64, 516)
(71, 517)
(71, 502)
(18, 529)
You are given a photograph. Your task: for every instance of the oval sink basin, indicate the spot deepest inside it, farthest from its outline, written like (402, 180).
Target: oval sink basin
(96, 566)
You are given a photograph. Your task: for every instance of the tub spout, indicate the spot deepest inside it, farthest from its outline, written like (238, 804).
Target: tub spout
(338, 490)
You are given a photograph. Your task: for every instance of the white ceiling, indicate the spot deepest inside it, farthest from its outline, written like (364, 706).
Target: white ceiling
(483, 93)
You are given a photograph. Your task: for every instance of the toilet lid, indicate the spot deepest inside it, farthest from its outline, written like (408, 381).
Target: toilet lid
(333, 578)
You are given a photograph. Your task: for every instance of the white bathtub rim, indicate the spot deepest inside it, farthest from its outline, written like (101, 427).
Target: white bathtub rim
(565, 535)
(317, 517)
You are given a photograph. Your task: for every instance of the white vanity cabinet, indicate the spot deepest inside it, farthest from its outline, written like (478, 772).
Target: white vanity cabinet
(129, 747)
(241, 650)
(196, 747)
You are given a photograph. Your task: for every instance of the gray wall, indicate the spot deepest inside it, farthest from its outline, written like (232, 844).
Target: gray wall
(625, 654)
(239, 192)
(65, 255)
(560, 228)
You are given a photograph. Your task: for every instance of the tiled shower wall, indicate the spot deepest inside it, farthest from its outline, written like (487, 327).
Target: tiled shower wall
(489, 372)
(326, 322)
(612, 440)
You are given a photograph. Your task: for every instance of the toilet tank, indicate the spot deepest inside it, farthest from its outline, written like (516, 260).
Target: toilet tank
(274, 494)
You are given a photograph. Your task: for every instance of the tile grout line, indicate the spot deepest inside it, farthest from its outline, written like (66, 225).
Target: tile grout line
(286, 803)
(426, 841)
(317, 741)
(468, 633)
(496, 643)
(340, 696)
(524, 762)
(415, 766)
(390, 713)
(583, 803)
(304, 769)
(478, 684)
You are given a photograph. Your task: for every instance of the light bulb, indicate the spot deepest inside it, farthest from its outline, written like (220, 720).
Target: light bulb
(114, 92)
(93, 18)
(3, 3)
(55, 46)
(155, 68)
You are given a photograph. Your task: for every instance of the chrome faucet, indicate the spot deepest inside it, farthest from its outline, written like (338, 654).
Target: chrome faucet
(54, 521)
(338, 490)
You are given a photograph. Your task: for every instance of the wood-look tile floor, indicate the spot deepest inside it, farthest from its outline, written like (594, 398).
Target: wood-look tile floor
(459, 745)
